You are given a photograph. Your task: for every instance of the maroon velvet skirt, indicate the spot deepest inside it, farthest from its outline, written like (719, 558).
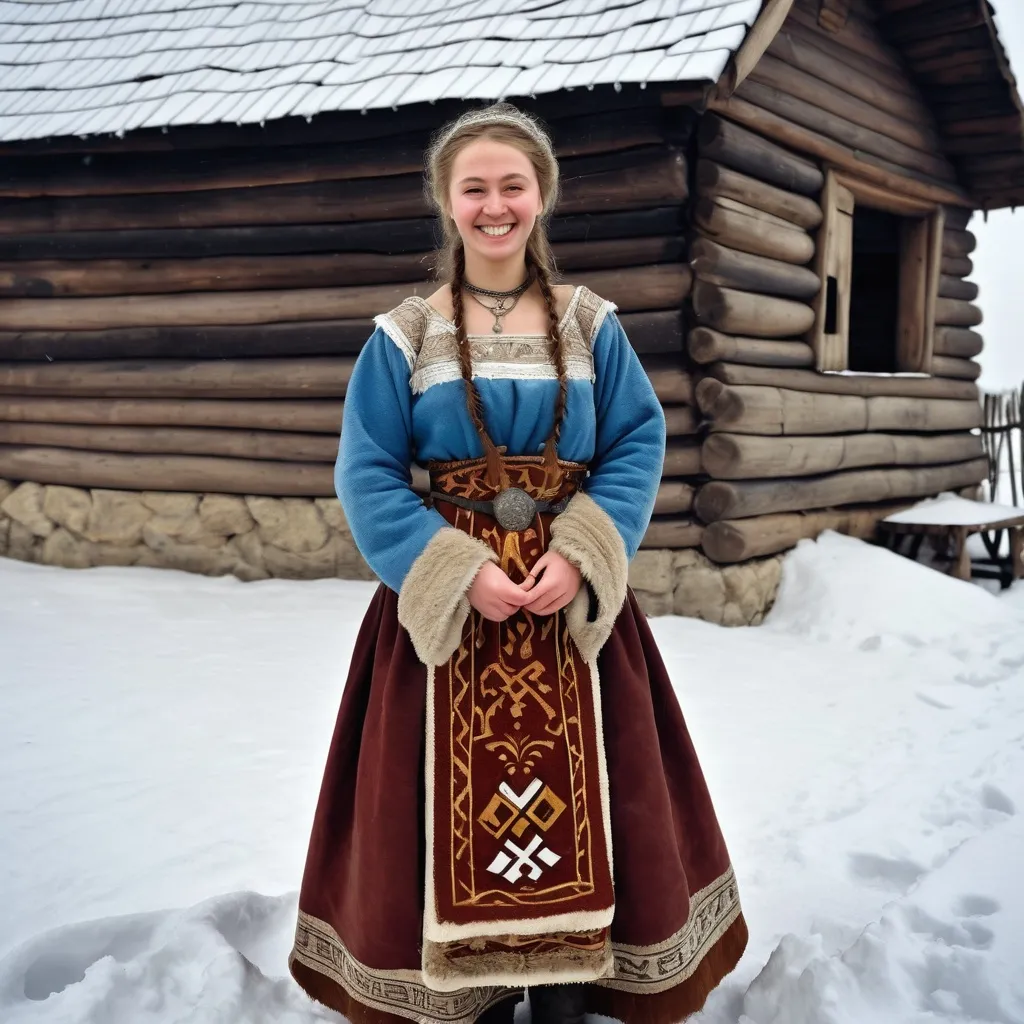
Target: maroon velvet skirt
(677, 928)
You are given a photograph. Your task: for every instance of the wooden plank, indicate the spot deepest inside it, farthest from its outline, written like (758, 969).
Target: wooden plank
(958, 243)
(673, 532)
(956, 313)
(866, 385)
(191, 473)
(318, 377)
(830, 333)
(718, 181)
(674, 496)
(659, 286)
(747, 314)
(771, 18)
(728, 456)
(957, 288)
(951, 366)
(244, 444)
(808, 115)
(79, 278)
(961, 342)
(303, 415)
(749, 230)
(728, 143)
(380, 237)
(722, 499)
(933, 271)
(730, 268)
(737, 540)
(707, 346)
(767, 411)
(913, 329)
(872, 168)
(682, 457)
(839, 102)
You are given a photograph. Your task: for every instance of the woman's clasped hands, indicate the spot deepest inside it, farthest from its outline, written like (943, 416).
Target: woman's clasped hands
(552, 583)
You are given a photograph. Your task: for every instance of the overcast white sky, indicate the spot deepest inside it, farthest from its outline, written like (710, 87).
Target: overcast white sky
(999, 258)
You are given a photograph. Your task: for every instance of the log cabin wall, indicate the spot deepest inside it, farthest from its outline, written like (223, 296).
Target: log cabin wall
(789, 451)
(180, 313)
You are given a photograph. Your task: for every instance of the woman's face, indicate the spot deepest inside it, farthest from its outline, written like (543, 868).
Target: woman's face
(494, 198)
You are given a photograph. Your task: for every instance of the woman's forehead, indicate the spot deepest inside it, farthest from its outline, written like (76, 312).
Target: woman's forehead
(488, 159)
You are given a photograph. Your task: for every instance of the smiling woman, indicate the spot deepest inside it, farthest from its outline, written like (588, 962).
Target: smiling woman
(504, 623)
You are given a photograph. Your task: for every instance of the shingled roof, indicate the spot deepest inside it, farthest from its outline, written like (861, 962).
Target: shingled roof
(82, 67)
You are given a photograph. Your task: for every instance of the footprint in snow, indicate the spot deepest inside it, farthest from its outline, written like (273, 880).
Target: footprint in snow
(896, 875)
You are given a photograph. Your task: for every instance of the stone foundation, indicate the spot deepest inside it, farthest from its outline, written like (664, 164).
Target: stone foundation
(304, 538)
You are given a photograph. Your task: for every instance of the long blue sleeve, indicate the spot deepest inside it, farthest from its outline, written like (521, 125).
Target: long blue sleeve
(630, 449)
(390, 524)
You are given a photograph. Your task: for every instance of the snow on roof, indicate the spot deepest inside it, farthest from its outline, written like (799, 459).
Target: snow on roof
(82, 67)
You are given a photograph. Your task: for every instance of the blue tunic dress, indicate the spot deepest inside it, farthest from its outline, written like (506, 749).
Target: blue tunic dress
(405, 406)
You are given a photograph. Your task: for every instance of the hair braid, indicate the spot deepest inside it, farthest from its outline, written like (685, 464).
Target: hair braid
(496, 475)
(558, 358)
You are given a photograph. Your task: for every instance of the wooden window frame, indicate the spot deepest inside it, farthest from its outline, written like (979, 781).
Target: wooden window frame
(920, 268)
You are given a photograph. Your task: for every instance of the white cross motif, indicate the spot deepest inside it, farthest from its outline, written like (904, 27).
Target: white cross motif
(512, 869)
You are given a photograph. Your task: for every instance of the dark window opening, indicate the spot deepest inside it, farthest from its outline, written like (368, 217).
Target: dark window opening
(874, 291)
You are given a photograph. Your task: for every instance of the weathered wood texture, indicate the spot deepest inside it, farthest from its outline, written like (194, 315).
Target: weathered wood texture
(746, 313)
(779, 411)
(958, 341)
(737, 540)
(300, 415)
(728, 456)
(239, 444)
(659, 286)
(722, 499)
(199, 473)
(731, 268)
(672, 532)
(707, 346)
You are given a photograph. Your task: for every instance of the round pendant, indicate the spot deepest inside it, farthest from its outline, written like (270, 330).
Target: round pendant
(514, 509)
(497, 327)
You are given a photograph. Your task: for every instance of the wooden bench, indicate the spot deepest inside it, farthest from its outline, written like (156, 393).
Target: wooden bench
(954, 519)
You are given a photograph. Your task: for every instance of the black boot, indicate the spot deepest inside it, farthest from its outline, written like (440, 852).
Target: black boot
(557, 1004)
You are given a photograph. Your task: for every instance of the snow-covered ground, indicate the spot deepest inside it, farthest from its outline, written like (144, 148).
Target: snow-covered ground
(162, 738)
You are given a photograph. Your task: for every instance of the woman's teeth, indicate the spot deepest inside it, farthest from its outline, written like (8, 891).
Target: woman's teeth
(502, 229)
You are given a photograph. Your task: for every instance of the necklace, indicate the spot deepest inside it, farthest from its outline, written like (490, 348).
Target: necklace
(504, 303)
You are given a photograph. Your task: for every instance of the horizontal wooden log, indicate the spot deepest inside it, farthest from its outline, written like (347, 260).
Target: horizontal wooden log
(672, 384)
(874, 169)
(728, 456)
(958, 217)
(810, 115)
(659, 286)
(958, 369)
(730, 268)
(957, 313)
(748, 230)
(728, 143)
(681, 420)
(324, 377)
(908, 131)
(641, 177)
(737, 540)
(379, 237)
(708, 346)
(718, 181)
(958, 243)
(957, 288)
(674, 496)
(166, 472)
(957, 266)
(961, 342)
(745, 313)
(77, 278)
(303, 415)
(649, 332)
(722, 499)
(812, 57)
(778, 411)
(867, 385)
(672, 532)
(237, 444)
(682, 458)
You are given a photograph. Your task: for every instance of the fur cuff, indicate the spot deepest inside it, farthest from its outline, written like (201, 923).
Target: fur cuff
(586, 535)
(432, 604)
